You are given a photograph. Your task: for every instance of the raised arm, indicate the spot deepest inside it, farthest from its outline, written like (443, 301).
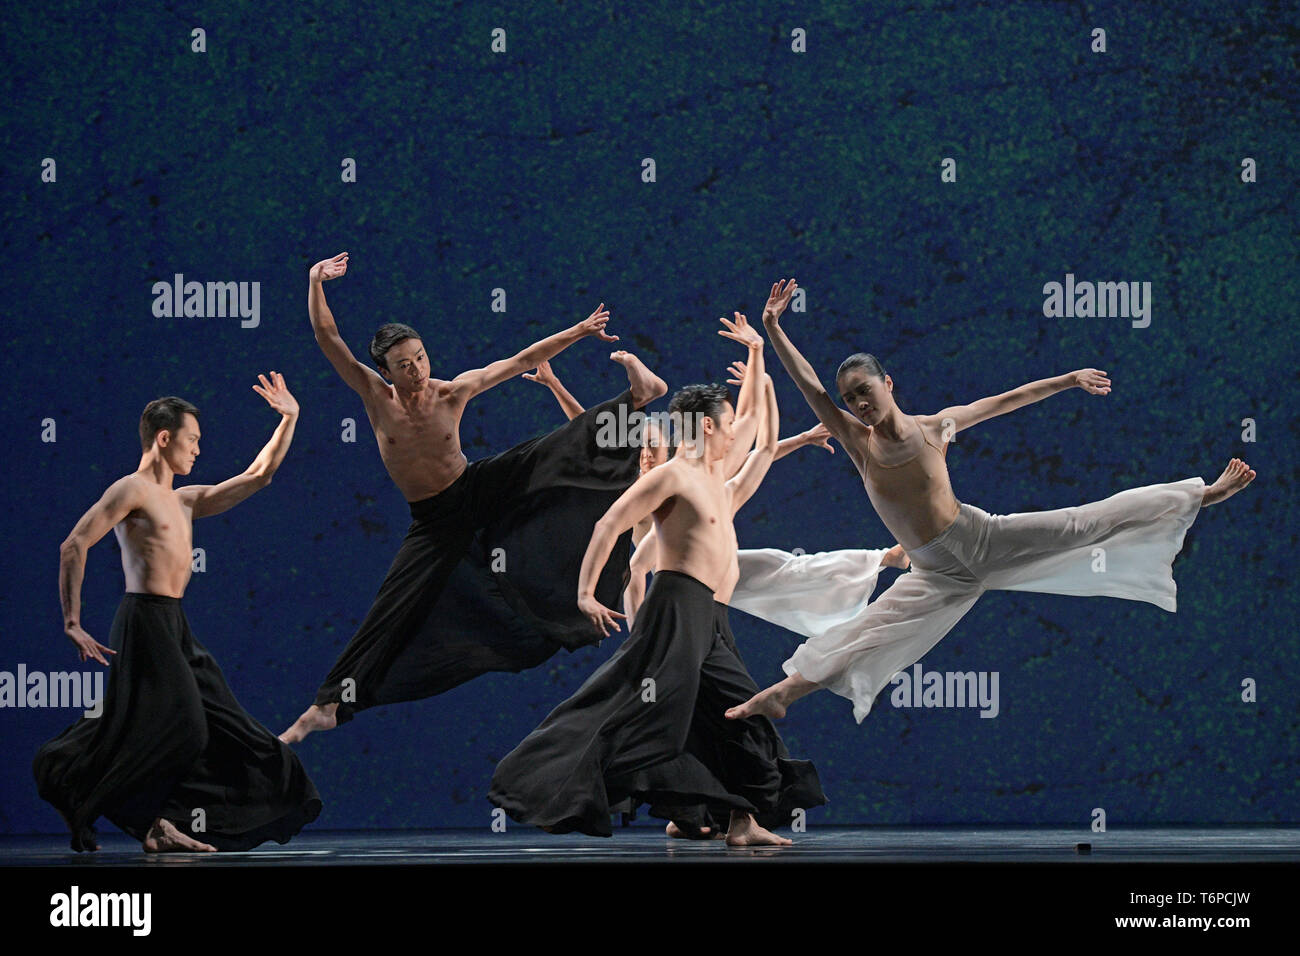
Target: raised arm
(757, 462)
(213, 499)
(544, 376)
(122, 497)
(646, 494)
(817, 435)
(750, 399)
(957, 417)
(478, 380)
(847, 429)
(358, 377)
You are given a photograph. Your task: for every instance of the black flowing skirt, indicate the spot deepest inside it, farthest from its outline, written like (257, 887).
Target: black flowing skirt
(649, 726)
(173, 742)
(487, 576)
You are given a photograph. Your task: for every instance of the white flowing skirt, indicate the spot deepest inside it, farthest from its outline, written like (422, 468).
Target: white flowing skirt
(1123, 547)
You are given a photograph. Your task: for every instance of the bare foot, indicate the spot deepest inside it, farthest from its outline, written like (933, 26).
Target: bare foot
(703, 833)
(768, 702)
(745, 831)
(646, 385)
(165, 838)
(313, 718)
(774, 701)
(896, 557)
(83, 839)
(1236, 476)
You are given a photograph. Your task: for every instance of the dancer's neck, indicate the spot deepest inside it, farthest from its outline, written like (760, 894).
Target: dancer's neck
(892, 426)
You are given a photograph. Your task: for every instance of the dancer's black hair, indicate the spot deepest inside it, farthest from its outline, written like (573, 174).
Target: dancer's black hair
(388, 336)
(695, 400)
(868, 363)
(163, 414)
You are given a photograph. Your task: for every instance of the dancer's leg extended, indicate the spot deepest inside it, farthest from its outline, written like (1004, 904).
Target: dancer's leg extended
(1120, 547)
(535, 503)
(859, 657)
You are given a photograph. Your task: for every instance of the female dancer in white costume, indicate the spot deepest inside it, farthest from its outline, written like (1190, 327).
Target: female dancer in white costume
(959, 551)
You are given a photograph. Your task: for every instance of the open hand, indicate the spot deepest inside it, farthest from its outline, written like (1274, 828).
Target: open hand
(594, 324)
(277, 394)
(604, 618)
(740, 331)
(782, 291)
(328, 269)
(738, 369)
(87, 646)
(542, 374)
(820, 436)
(1091, 381)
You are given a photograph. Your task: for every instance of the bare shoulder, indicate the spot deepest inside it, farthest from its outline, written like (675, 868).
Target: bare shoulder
(670, 476)
(448, 391)
(130, 490)
(935, 426)
(666, 483)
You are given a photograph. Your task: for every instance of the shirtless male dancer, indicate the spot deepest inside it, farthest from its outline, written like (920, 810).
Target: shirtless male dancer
(787, 589)
(172, 738)
(648, 724)
(959, 551)
(535, 500)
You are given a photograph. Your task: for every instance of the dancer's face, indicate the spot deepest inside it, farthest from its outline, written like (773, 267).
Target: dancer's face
(866, 396)
(180, 448)
(654, 450)
(724, 432)
(408, 366)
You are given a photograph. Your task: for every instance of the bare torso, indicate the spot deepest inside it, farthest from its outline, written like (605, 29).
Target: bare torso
(419, 440)
(907, 481)
(694, 529)
(156, 540)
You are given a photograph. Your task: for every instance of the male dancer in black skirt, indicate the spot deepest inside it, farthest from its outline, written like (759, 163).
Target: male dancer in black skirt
(648, 724)
(171, 739)
(484, 579)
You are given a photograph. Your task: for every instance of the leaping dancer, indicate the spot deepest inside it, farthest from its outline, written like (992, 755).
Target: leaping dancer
(482, 580)
(959, 551)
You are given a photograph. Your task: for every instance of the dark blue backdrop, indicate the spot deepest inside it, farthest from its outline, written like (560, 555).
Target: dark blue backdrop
(522, 170)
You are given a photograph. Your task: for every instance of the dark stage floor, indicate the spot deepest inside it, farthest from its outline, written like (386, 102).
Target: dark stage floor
(642, 844)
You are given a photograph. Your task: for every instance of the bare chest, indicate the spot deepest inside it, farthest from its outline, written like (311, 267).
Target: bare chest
(162, 524)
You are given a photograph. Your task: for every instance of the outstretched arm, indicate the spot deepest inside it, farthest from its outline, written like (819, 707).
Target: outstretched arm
(544, 376)
(646, 494)
(213, 499)
(357, 376)
(750, 399)
(122, 497)
(477, 380)
(847, 429)
(957, 417)
(818, 435)
(760, 459)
